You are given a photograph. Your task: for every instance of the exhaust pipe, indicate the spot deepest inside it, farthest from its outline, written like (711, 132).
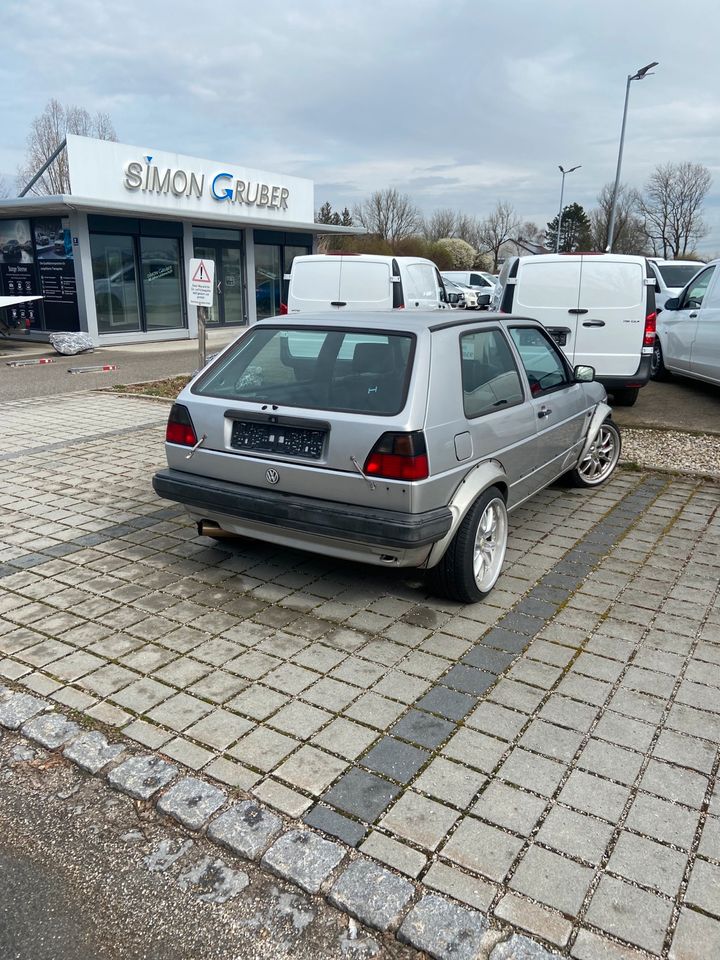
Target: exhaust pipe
(206, 528)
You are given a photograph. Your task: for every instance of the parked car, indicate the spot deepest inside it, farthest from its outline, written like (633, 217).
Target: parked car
(671, 276)
(599, 307)
(471, 295)
(363, 281)
(687, 340)
(455, 293)
(393, 439)
(477, 279)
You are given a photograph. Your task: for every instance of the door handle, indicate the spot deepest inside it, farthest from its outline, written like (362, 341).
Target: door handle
(545, 412)
(577, 310)
(338, 303)
(593, 323)
(692, 316)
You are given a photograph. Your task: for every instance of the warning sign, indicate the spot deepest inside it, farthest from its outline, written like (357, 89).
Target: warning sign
(201, 288)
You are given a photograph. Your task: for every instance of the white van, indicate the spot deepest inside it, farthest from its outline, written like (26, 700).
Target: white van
(671, 276)
(688, 330)
(363, 281)
(598, 307)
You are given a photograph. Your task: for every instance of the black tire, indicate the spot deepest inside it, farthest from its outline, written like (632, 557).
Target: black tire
(658, 370)
(454, 576)
(605, 459)
(625, 398)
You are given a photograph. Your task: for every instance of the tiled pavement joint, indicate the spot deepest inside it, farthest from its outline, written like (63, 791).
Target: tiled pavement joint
(432, 719)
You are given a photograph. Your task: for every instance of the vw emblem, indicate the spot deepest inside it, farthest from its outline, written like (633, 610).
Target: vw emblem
(272, 476)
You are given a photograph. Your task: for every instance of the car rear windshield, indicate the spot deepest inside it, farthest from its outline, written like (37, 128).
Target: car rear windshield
(321, 368)
(677, 275)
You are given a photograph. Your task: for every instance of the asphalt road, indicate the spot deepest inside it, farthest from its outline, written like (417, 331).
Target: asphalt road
(76, 884)
(136, 363)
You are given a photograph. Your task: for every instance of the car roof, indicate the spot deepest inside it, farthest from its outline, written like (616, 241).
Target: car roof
(682, 263)
(402, 321)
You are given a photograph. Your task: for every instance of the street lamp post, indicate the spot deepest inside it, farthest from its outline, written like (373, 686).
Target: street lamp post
(640, 75)
(562, 191)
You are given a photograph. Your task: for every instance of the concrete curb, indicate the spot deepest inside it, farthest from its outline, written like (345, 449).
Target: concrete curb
(381, 899)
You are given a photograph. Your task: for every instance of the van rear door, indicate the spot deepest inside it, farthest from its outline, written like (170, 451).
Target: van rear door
(314, 284)
(611, 324)
(548, 290)
(365, 284)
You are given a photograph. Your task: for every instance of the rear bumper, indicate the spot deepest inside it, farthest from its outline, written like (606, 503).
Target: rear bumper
(638, 379)
(303, 515)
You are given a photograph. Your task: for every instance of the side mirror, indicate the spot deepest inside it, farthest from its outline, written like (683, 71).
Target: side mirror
(672, 303)
(484, 300)
(584, 374)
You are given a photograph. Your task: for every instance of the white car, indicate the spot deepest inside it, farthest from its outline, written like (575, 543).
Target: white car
(477, 279)
(671, 276)
(687, 339)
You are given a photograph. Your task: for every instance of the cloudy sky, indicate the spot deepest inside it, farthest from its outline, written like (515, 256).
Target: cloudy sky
(458, 102)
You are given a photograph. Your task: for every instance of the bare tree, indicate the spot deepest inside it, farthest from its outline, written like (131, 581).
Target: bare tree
(671, 206)
(5, 190)
(467, 228)
(530, 239)
(389, 215)
(47, 132)
(499, 227)
(630, 236)
(441, 224)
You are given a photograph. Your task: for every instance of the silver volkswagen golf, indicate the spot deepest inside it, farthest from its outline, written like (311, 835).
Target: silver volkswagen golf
(393, 439)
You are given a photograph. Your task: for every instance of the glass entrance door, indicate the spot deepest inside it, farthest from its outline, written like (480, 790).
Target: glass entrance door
(229, 302)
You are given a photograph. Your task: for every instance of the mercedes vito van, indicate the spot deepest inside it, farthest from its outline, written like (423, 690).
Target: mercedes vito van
(364, 281)
(598, 307)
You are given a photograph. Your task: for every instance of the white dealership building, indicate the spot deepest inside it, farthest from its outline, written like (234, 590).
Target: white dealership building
(112, 258)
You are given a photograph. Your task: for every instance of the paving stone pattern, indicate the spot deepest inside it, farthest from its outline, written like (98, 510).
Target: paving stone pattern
(548, 756)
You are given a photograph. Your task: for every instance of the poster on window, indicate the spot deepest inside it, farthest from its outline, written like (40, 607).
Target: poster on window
(53, 239)
(15, 241)
(17, 279)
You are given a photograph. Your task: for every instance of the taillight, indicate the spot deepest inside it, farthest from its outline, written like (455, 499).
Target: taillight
(283, 309)
(399, 456)
(180, 427)
(650, 328)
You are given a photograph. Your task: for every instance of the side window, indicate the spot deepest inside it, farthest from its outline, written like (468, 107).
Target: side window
(543, 362)
(695, 293)
(490, 378)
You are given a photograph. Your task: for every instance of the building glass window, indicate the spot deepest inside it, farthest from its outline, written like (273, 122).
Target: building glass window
(114, 276)
(137, 274)
(268, 277)
(273, 260)
(161, 282)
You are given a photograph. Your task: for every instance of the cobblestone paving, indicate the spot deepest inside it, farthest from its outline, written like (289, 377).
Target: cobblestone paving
(549, 756)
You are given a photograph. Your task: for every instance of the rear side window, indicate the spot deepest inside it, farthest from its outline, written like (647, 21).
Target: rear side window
(611, 284)
(320, 369)
(677, 274)
(490, 378)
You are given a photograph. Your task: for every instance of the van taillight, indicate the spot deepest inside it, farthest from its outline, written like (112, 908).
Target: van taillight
(650, 328)
(283, 309)
(399, 456)
(180, 428)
